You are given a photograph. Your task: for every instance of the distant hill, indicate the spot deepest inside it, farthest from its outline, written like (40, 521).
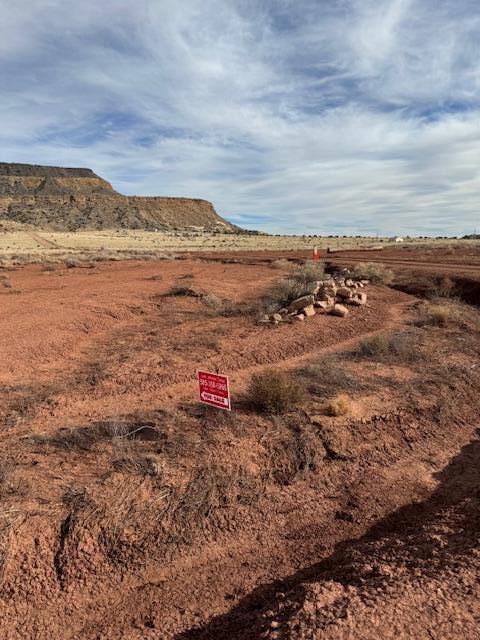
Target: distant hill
(61, 198)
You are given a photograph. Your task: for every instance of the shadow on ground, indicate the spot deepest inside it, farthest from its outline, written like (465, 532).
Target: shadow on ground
(410, 529)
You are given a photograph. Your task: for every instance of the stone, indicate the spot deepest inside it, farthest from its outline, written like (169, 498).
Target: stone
(340, 311)
(265, 319)
(277, 317)
(282, 312)
(299, 303)
(344, 292)
(349, 282)
(299, 317)
(309, 311)
(322, 305)
(360, 299)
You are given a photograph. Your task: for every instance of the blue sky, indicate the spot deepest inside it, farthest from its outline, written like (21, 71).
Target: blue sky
(295, 116)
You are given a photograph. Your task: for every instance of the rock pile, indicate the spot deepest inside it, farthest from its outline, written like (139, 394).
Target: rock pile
(331, 295)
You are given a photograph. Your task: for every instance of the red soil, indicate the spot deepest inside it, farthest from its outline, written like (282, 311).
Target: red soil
(84, 555)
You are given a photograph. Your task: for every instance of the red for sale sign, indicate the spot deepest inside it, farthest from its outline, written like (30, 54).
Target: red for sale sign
(213, 389)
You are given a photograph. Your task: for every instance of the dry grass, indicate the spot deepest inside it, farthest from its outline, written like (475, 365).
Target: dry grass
(375, 272)
(340, 405)
(329, 376)
(293, 450)
(274, 391)
(403, 345)
(441, 314)
(448, 313)
(298, 283)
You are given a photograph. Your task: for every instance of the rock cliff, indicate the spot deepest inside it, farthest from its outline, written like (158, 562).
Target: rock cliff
(68, 199)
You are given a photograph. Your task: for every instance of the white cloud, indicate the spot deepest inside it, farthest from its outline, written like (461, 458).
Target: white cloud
(353, 115)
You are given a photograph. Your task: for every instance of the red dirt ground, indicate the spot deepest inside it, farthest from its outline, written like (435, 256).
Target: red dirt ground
(91, 546)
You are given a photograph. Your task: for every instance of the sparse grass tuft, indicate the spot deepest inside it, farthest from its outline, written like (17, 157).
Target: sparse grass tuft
(375, 272)
(442, 313)
(281, 263)
(297, 284)
(274, 391)
(329, 376)
(403, 346)
(340, 405)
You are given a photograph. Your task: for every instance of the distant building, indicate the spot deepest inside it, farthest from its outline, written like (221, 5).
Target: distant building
(396, 239)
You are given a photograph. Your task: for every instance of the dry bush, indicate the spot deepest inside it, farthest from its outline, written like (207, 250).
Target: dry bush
(132, 462)
(183, 290)
(340, 405)
(375, 272)
(328, 376)
(274, 391)
(298, 283)
(85, 438)
(445, 287)
(71, 263)
(48, 267)
(292, 450)
(212, 487)
(280, 294)
(281, 263)
(310, 271)
(227, 308)
(445, 313)
(403, 345)
(158, 276)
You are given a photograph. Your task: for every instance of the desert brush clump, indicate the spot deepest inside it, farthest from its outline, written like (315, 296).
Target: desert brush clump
(299, 281)
(381, 346)
(274, 391)
(376, 272)
(328, 376)
(339, 405)
(442, 313)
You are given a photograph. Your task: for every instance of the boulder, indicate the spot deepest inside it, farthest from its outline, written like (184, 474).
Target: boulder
(299, 303)
(344, 292)
(360, 299)
(349, 282)
(309, 311)
(322, 306)
(299, 317)
(340, 311)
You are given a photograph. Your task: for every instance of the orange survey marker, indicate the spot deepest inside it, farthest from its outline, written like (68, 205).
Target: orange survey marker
(315, 253)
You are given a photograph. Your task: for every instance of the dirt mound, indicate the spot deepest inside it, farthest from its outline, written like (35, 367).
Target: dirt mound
(69, 199)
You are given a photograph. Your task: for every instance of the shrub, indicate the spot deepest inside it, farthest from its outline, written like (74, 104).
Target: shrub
(401, 345)
(328, 376)
(71, 263)
(375, 272)
(274, 391)
(309, 272)
(281, 263)
(297, 284)
(340, 405)
(442, 314)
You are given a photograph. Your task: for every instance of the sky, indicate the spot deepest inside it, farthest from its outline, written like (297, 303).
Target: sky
(291, 116)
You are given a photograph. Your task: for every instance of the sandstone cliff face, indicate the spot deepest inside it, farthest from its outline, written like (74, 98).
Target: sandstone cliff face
(68, 199)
